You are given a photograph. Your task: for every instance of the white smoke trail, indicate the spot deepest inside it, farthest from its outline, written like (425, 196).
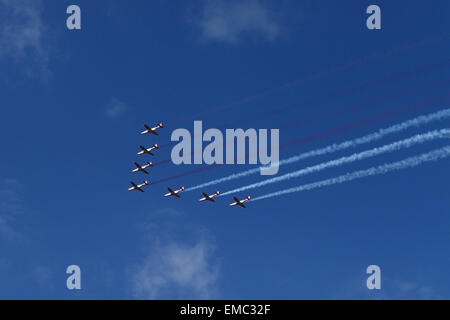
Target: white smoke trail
(406, 143)
(421, 120)
(403, 164)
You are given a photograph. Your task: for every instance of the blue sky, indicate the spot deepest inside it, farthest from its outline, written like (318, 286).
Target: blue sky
(73, 104)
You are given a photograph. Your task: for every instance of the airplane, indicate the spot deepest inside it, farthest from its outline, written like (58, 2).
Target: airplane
(174, 193)
(147, 151)
(209, 197)
(142, 168)
(138, 187)
(152, 130)
(239, 202)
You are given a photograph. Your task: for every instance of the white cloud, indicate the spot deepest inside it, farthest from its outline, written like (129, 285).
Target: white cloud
(178, 268)
(10, 206)
(391, 289)
(22, 34)
(115, 108)
(230, 21)
(413, 291)
(44, 276)
(179, 259)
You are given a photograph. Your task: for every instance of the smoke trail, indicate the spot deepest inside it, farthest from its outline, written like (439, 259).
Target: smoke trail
(403, 164)
(407, 143)
(421, 120)
(317, 75)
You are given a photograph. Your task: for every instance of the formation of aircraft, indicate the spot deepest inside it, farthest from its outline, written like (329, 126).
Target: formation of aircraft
(209, 197)
(142, 168)
(147, 150)
(175, 193)
(238, 202)
(138, 186)
(152, 130)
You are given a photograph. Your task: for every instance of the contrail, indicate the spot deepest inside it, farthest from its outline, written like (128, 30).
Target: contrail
(335, 131)
(407, 143)
(421, 120)
(403, 164)
(318, 75)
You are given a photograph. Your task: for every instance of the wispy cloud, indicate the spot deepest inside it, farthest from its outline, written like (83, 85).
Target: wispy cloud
(177, 267)
(44, 276)
(179, 261)
(413, 291)
(115, 108)
(22, 33)
(10, 207)
(391, 289)
(231, 21)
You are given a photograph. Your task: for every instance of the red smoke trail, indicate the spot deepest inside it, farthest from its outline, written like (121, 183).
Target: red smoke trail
(369, 84)
(332, 132)
(365, 121)
(318, 75)
(353, 107)
(370, 101)
(186, 173)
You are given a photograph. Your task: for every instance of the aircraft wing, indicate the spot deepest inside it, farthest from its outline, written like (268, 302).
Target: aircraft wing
(137, 165)
(170, 190)
(206, 196)
(177, 195)
(144, 171)
(241, 204)
(147, 127)
(140, 189)
(133, 184)
(212, 200)
(155, 133)
(236, 199)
